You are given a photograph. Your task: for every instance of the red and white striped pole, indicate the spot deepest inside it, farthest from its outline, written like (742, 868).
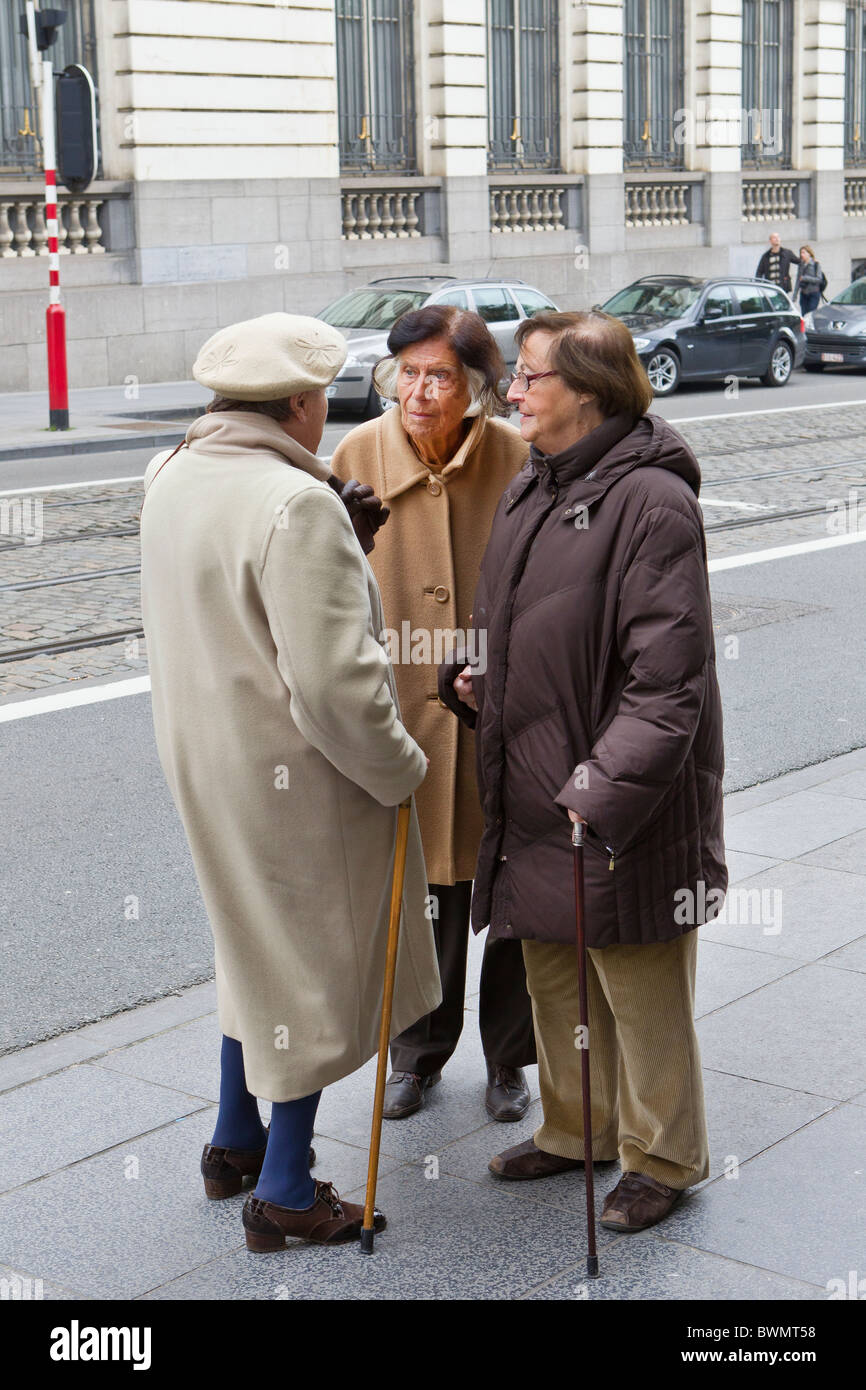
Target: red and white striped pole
(55, 318)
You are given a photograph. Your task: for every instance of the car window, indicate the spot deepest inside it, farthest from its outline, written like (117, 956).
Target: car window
(720, 297)
(852, 294)
(457, 297)
(751, 300)
(653, 300)
(371, 308)
(779, 301)
(532, 302)
(494, 306)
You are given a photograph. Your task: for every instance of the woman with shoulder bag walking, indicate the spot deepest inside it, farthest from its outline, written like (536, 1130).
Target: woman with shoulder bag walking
(811, 281)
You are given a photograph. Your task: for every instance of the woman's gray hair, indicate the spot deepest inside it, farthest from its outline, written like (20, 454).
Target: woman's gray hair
(481, 400)
(469, 339)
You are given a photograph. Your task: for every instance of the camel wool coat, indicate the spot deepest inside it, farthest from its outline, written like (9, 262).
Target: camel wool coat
(278, 729)
(427, 559)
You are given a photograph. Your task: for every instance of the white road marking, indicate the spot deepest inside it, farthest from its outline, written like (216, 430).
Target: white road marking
(781, 552)
(769, 410)
(65, 487)
(65, 699)
(139, 685)
(725, 502)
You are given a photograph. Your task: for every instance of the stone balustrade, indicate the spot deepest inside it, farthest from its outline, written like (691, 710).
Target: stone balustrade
(667, 204)
(381, 214)
(855, 196)
(22, 225)
(771, 200)
(529, 208)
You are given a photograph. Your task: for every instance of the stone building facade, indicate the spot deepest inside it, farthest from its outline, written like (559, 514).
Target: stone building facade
(260, 155)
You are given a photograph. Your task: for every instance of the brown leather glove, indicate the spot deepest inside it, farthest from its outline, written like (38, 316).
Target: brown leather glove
(366, 512)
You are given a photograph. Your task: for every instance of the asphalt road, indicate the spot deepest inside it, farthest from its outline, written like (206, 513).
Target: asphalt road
(99, 909)
(688, 403)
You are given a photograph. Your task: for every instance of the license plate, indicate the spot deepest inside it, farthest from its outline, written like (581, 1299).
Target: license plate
(332, 390)
(832, 357)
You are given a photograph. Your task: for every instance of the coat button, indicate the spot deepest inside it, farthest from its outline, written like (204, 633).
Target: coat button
(503, 858)
(433, 487)
(440, 593)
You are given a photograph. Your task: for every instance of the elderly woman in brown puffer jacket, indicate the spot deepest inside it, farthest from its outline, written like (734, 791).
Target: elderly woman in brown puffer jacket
(600, 703)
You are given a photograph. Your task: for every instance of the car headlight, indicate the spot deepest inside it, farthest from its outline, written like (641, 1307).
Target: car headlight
(349, 363)
(808, 322)
(641, 343)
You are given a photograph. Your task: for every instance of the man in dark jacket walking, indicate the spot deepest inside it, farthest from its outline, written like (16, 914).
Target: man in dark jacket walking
(600, 703)
(775, 264)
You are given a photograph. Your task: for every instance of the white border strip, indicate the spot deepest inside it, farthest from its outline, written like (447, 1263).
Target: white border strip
(65, 487)
(781, 552)
(770, 410)
(66, 699)
(140, 685)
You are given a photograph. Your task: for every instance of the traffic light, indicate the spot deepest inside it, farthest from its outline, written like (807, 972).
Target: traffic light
(47, 24)
(77, 155)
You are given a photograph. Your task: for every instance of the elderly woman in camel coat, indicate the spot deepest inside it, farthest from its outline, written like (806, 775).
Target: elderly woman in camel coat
(279, 733)
(441, 461)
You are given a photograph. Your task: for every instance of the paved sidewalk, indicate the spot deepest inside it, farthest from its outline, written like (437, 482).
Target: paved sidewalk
(100, 418)
(103, 1127)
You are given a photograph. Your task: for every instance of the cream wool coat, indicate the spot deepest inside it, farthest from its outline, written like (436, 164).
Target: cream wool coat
(426, 560)
(278, 730)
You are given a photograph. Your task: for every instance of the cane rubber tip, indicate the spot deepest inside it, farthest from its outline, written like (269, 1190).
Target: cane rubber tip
(592, 1266)
(367, 1242)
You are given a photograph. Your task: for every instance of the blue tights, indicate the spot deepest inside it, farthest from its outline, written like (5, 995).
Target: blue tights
(285, 1176)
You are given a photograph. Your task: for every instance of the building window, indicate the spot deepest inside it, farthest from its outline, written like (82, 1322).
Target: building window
(654, 90)
(20, 152)
(855, 82)
(375, 86)
(523, 84)
(768, 50)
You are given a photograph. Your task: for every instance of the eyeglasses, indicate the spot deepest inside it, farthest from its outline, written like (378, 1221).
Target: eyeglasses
(523, 380)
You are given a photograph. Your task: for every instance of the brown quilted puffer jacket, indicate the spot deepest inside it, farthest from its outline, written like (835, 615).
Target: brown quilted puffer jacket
(599, 694)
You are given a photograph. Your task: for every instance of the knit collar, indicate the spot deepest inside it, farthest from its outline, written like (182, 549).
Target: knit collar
(246, 431)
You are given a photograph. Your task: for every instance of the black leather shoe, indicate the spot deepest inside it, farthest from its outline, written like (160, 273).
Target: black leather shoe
(404, 1093)
(507, 1095)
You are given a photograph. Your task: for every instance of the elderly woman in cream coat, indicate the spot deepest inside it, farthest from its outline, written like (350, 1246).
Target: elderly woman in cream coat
(279, 732)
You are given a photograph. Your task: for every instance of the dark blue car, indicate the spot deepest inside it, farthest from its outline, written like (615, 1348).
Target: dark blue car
(688, 329)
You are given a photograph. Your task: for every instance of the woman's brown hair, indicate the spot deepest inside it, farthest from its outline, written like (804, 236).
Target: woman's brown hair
(594, 353)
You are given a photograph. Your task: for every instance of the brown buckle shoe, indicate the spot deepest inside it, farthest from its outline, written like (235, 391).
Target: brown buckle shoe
(636, 1202)
(224, 1170)
(526, 1161)
(329, 1221)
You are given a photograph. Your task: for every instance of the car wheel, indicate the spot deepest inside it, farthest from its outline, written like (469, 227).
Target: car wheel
(372, 406)
(814, 366)
(663, 370)
(781, 365)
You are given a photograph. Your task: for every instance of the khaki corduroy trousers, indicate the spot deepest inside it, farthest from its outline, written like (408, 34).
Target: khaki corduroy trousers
(645, 1067)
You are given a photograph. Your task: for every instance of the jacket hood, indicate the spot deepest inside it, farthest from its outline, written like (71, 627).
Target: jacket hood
(247, 431)
(651, 443)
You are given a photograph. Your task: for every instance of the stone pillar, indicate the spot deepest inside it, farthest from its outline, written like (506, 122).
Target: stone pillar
(821, 112)
(711, 121)
(453, 121)
(595, 66)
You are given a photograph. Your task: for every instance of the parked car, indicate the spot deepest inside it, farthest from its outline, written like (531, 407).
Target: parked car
(689, 329)
(367, 315)
(836, 332)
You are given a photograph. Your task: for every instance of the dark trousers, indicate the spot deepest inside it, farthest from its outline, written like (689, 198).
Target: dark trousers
(505, 1009)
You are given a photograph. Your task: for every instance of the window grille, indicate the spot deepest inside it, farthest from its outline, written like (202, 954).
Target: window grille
(20, 151)
(523, 84)
(654, 83)
(768, 50)
(375, 86)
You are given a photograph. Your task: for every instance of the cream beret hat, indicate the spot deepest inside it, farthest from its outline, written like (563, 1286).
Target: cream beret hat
(270, 357)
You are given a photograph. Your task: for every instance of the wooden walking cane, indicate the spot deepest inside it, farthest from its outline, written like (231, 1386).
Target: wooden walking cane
(583, 1012)
(367, 1233)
